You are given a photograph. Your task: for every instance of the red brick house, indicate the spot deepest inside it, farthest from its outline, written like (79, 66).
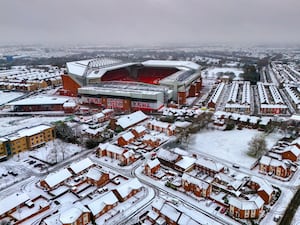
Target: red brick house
(125, 156)
(10, 203)
(198, 187)
(139, 131)
(162, 127)
(280, 168)
(292, 153)
(263, 188)
(152, 166)
(70, 107)
(126, 138)
(81, 166)
(103, 204)
(128, 189)
(208, 166)
(150, 140)
(78, 214)
(96, 177)
(246, 209)
(56, 179)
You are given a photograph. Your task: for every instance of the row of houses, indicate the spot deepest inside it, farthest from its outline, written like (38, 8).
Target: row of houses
(281, 161)
(91, 211)
(240, 203)
(164, 212)
(12, 205)
(25, 139)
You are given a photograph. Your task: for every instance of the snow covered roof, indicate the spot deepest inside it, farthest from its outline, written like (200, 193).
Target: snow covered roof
(140, 129)
(71, 215)
(99, 204)
(98, 115)
(69, 104)
(111, 148)
(12, 201)
(210, 164)
(131, 119)
(159, 124)
(125, 189)
(127, 136)
(265, 160)
(293, 149)
(166, 155)
(254, 203)
(78, 167)
(171, 63)
(193, 180)
(40, 100)
(263, 185)
(215, 96)
(153, 163)
(33, 130)
(158, 203)
(106, 111)
(296, 141)
(58, 177)
(171, 212)
(94, 173)
(186, 162)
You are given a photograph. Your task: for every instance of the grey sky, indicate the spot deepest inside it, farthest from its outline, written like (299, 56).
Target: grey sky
(139, 22)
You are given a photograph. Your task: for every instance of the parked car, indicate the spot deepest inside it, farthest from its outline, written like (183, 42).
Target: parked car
(223, 210)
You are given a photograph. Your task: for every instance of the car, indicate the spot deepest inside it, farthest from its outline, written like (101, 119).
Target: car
(276, 218)
(14, 174)
(117, 180)
(217, 208)
(235, 166)
(223, 210)
(56, 202)
(4, 174)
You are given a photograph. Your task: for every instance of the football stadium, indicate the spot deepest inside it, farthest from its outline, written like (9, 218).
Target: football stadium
(131, 86)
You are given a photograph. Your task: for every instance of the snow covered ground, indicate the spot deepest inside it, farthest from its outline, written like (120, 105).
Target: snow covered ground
(213, 72)
(230, 146)
(8, 96)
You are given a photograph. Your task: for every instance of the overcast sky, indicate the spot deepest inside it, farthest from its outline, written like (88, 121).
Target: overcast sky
(149, 22)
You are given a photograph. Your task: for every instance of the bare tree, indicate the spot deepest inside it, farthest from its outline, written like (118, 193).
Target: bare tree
(257, 146)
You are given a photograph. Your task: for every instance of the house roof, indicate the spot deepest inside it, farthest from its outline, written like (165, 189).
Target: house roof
(170, 212)
(131, 119)
(94, 173)
(263, 185)
(265, 160)
(140, 129)
(12, 201)
(186, 162)
(293, 149)
(78, 167)
(166, 155)
(153, 163)
(210, 164)
(55, 178)
(193, 180)
(254, 203)
(98, 205)
(111, 148)
(127, 187)
(71, 215)
(127, 136)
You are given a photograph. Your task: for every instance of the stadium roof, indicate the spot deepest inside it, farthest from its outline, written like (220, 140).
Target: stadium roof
(94, 68)
(181, 65)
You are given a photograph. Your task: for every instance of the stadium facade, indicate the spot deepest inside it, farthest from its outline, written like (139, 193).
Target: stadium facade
(147, 85)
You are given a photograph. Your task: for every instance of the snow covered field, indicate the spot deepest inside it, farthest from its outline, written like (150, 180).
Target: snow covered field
(222, 145)
(8, 96)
